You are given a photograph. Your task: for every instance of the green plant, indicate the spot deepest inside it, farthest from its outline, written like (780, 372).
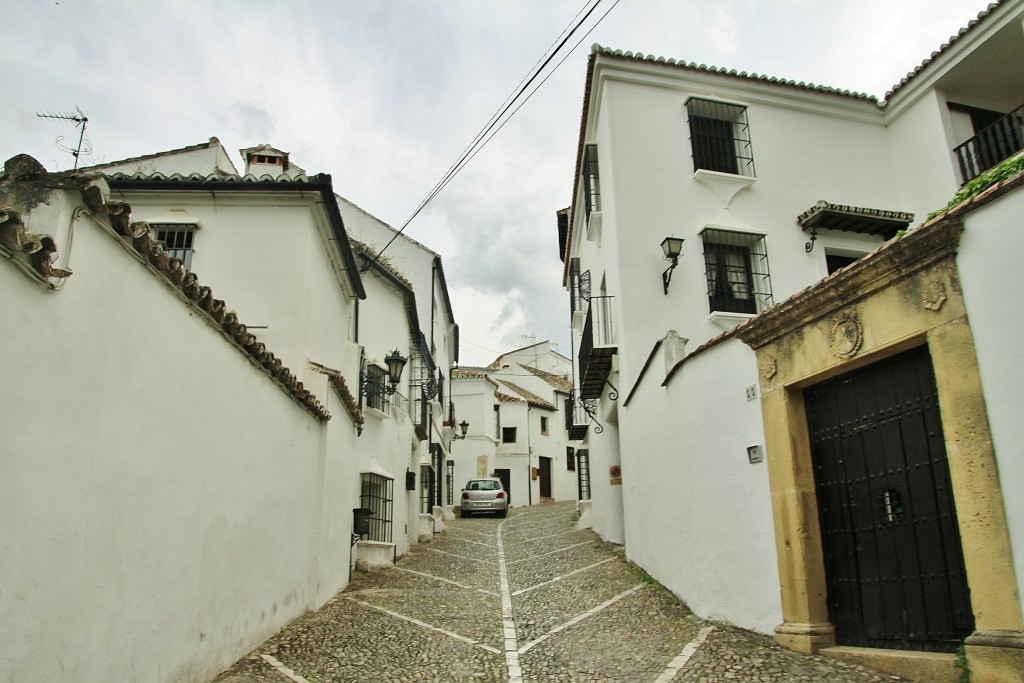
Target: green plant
(962, 666)
(1003, 171)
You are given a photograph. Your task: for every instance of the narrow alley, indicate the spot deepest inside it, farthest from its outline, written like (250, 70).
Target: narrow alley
(527, 598)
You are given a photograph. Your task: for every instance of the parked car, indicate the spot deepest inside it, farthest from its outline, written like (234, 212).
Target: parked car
(484, 495)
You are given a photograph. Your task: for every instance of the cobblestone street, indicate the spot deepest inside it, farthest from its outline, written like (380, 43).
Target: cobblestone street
(527, 598)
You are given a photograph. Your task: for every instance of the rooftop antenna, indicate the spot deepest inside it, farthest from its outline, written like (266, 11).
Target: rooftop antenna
(80, 119)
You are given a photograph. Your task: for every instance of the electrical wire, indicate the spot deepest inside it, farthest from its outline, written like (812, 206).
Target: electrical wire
(492, 126)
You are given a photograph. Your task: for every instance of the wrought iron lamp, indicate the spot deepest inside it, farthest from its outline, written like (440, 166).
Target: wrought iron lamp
(673, 248)
(371, 386)
(463, 427)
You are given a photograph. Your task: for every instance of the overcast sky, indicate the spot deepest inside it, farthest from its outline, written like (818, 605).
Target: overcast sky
(385, 94)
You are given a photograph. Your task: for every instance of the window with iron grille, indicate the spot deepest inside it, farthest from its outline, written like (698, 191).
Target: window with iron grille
(426, 489)
(497, 421)
(376, 380)
(736, 265)
(720, 137)
(508, 435)
(377, 496)
(178, 238)
(543, 425)
(591, 181)
(583, 474)
(570, 459)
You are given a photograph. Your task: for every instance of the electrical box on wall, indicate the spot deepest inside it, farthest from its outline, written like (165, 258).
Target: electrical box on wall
(751, 392)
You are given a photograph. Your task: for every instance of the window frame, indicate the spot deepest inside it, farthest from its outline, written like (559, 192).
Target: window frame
(377, 494)
(182, 251)
(736, 271)
(720, 137)
(591, 180)
(505, 432)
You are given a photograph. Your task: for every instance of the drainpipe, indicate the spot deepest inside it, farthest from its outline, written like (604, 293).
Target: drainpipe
(529, 458)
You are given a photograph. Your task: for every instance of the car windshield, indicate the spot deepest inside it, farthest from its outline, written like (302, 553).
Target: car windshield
(484, 485)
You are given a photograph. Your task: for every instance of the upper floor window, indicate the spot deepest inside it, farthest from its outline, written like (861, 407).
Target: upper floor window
(736, 265)
(720, 137)
(508, 435)
(376, 381)
(543, 425)
(591, 180)
(178, 238)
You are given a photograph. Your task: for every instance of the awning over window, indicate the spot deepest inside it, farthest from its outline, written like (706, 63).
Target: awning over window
(825, 216)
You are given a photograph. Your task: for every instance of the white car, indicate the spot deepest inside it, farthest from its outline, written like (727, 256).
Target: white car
(484, 495)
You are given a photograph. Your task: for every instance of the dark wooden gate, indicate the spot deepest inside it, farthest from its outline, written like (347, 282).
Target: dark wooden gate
(545, 476)
(893, 562)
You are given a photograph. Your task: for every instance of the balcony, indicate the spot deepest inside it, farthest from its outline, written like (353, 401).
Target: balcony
(597, 347)
(576, 420)
(993, 145)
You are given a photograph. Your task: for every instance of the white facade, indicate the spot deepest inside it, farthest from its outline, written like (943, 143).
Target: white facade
(991, 239)
(515, 409)
(690, 508)
(163, 455)
(432, 352)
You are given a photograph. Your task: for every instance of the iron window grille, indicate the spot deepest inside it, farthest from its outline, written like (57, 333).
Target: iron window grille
(426, 489)
(178, 238)
(377, 496)
(543, 425)
(720, 137)
(736, 266)
(376, 380)
(449, 476)
(591, 181)
(583, 473)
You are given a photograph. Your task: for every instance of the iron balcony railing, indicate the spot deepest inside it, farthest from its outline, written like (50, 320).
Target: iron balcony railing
(992, 145)
(597, 346)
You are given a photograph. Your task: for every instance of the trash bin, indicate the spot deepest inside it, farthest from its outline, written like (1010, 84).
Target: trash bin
(361, 521)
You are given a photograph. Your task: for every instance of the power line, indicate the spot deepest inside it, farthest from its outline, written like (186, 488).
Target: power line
(488, 131)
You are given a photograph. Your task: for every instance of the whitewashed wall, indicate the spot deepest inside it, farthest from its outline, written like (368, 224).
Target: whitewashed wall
(388, 439)
(474, 402)
(168, 505)
(989, 248)
(698, 514)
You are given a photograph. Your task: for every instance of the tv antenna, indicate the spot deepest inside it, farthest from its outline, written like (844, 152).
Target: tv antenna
(80, 119)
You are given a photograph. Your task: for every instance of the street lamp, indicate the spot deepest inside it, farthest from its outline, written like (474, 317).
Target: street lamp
(673, 247)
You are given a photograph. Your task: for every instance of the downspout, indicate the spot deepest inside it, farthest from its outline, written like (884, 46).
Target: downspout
(529, 459)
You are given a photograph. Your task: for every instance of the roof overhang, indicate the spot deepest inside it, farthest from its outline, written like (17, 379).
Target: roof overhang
(826, 216)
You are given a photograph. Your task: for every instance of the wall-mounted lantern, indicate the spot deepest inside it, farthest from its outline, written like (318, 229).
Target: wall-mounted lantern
(673, 248)
(371, 386)
(463, 428)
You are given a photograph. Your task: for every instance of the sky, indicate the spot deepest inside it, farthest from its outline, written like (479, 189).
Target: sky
(385, 95)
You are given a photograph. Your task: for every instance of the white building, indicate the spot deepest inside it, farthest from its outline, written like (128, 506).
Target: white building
(433, 351)
(517, 426)
(772, 185)
(189, 460)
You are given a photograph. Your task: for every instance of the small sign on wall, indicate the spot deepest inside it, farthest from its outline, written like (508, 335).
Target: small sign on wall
(615, 475)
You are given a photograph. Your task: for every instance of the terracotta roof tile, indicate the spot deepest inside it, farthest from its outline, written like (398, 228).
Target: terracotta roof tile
(529, 397)
(557, 381)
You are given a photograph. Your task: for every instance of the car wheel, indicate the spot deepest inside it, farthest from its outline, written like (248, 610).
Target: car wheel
(463, 514)
(503, 513)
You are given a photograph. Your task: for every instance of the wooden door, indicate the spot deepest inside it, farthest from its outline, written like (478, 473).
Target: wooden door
(893, 561)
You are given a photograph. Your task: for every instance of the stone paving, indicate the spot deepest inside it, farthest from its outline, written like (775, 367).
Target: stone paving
(524, 599)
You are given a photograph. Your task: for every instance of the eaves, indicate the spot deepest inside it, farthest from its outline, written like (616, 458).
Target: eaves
(319, 184)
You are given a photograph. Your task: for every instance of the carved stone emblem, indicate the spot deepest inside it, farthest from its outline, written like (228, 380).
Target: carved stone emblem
(769, 367)
(935, 296)
(847, 335)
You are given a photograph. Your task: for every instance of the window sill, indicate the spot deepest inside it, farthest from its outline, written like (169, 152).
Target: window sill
(728, 320)
(725, 186)
(374, 412)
